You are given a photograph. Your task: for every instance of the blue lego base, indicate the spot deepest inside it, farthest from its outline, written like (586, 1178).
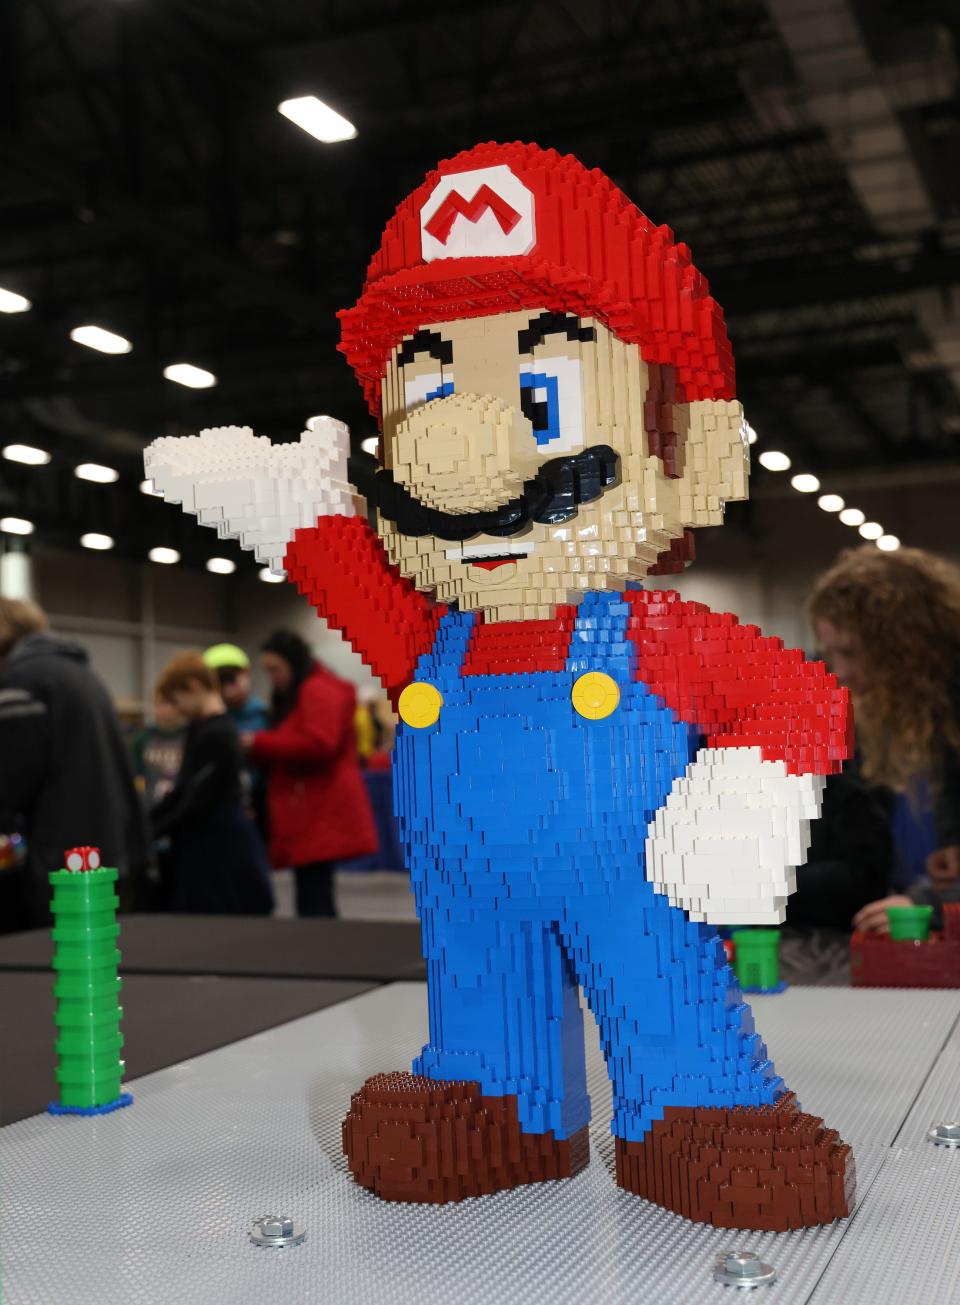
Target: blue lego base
(124, 1099)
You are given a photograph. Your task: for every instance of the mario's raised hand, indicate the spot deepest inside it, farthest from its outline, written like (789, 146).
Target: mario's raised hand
(255, 491)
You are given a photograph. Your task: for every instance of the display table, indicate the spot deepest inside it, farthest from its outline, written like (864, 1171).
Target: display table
(154, 1203)
(372, 951)
(167, 1019)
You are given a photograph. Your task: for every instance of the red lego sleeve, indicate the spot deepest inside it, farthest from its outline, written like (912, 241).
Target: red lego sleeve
(341, 567)
(741, 688)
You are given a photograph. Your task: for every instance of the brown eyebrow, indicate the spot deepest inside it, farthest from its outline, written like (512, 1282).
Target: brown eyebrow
(428, 342)
(538, 328)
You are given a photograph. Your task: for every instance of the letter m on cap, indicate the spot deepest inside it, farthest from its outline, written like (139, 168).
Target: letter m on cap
(484, 212)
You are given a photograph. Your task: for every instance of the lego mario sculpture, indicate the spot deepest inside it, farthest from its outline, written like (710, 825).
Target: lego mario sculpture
(589, 774)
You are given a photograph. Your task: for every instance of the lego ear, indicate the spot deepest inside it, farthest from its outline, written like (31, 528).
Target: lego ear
(716, 460)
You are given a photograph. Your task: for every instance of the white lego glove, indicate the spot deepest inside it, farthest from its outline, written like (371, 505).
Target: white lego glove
(252, 490)
(726, 844)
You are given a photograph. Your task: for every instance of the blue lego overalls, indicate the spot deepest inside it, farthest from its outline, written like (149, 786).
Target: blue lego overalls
(524, 825)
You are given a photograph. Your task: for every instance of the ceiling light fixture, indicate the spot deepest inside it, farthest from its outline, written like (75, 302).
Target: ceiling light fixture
(830, 502)
(146, 487)
(96, 337)
(852, 517)
(11, 302)
(888, 543)
(96, 472)
(194, 378)
(165, 556)
(773, 460)
(221, 566)
(871, 530)
(370, 444)
(26, 454)
(317, 119)
(15, 526)
(270, 577)
(804, 483)
(96, 541)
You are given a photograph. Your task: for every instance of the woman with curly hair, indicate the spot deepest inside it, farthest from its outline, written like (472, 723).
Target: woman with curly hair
(889, 626)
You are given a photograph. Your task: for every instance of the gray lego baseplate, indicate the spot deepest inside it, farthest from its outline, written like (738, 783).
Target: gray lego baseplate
(154, 1204)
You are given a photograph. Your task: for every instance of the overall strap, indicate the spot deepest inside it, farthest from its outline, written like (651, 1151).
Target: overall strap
(442, 664)
(600, 641)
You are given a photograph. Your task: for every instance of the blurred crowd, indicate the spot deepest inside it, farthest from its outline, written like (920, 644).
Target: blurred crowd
(221, 786)
(196, 807)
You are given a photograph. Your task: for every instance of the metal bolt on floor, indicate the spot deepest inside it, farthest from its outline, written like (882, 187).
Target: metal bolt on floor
(743, 1269)
(946, 1133)
(277, 1230)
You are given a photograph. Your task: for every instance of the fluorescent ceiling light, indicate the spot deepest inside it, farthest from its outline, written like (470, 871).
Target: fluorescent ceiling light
(318, 119)
(804, 483)
(852, 517)
(95, 337)
(221, 566)
(195, 378)
(774, 460)
(370, 444)
(871, 530)
(165, 556)
(270, 577)
(27, 454)
(11, 302)
(830, 502)
(99, 542)
(146, 487)
(96, 472)
(889, 543)
(15, 526)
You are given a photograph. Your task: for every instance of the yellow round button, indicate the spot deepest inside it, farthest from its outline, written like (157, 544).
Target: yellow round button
(419, 705)
(595, 695)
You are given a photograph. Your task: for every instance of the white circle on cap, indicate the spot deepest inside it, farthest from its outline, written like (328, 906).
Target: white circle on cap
(74, 861)
(93, 859)
(483, 212)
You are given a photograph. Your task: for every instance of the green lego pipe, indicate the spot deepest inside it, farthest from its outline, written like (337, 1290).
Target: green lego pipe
(757, 961)
(87, 987)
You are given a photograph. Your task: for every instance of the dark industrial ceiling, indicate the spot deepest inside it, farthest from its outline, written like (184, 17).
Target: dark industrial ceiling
(807, 150)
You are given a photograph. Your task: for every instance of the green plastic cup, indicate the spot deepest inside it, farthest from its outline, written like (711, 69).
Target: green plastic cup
(757, 962)
(910, 923)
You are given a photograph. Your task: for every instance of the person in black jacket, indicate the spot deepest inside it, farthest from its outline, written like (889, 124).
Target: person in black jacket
(65, 774)
(219, 864)
(850, 862)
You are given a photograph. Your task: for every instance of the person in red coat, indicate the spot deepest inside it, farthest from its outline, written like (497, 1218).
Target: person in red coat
(319, 812)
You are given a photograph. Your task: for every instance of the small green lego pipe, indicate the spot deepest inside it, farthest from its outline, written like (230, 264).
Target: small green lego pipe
(87, 986)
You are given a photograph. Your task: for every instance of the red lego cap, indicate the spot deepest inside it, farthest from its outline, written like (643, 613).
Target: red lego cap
(505, 227)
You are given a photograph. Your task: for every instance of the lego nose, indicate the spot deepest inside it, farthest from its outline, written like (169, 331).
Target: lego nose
(459, 453)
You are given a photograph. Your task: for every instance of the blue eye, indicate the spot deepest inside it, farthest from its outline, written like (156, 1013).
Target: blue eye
(551, 399)
(421, 389)
(540, 404)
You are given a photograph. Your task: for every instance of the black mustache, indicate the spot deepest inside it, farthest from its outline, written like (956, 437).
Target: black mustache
(550, 497)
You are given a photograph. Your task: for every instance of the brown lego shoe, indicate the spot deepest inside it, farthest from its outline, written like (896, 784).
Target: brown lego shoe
(409, 1138)
(770, 1168)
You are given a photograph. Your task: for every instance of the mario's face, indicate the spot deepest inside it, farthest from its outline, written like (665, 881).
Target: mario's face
(530, 455)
